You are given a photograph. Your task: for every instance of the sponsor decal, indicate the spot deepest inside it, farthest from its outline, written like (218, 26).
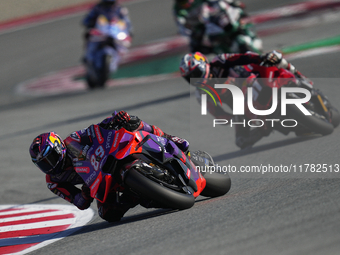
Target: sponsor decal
(84, 152)
(81, 170)
(77, 164)
(75, 136)
(162, 140)
(115, 142)
(51, 185)
(95, 185)
(91, 178)
(108, 140)
(98, 134)
(92, 132)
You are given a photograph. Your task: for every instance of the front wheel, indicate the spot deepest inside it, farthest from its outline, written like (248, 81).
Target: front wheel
(335, 116)
(315, 123)
(90, 82)
(104, 71)
(98, 74)
(217, 184)
(152, 190)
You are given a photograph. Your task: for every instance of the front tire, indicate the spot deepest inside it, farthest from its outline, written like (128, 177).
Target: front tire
(335, 117)
(315, 123)
(104, 72)
(164, 196)
(217, 184)
(90, 83)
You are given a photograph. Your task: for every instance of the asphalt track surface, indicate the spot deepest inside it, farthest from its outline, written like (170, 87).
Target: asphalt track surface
(262, 214)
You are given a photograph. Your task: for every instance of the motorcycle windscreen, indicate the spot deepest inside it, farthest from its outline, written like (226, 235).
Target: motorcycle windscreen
(159, 148)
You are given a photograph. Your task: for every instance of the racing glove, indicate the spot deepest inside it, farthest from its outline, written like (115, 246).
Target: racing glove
(134, 124)
(272, 58)
(83, 199)
(130, 123)
(121, 118)
(286, 65)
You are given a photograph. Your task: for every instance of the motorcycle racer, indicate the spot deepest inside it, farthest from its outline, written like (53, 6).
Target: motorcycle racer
(229, 66)
(189, 21)
(111, 11)
(57, 158)
(194, 18)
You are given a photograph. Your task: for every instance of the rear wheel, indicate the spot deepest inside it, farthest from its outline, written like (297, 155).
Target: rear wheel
(156, 191)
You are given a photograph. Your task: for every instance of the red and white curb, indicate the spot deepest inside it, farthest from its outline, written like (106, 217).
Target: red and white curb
(25, 228)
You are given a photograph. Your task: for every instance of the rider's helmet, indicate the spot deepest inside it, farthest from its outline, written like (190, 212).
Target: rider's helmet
(48, 152)
(194, 65)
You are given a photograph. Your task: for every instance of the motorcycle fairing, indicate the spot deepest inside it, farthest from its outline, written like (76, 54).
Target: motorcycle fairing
(270, 77)
(121, 144)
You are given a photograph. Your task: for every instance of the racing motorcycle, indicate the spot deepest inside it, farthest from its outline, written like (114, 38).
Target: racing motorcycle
(221, 34)
(151, 167)
(106, 42)
(323, 118)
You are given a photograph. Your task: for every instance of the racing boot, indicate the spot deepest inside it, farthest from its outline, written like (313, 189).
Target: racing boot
(115, 207)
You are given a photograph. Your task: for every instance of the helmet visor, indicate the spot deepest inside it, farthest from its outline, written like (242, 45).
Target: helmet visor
(198, 73)
(49, 162)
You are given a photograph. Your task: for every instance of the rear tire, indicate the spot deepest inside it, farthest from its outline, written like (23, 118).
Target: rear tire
(154, 191)
(217, 184)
